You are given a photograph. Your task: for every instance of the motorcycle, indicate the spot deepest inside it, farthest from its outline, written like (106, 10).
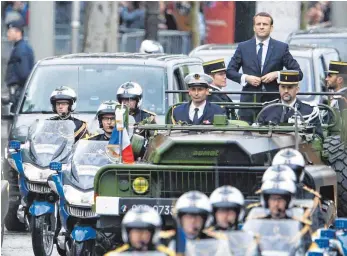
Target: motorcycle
(47, 140)
(74, 184)
(277, 237)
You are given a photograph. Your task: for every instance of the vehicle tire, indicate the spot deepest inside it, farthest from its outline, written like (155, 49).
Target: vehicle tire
(12, 223)
(60, 251)
(42, 236)
(336, 157)
(85, 248)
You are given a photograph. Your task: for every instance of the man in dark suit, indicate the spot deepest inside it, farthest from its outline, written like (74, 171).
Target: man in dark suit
(289, 81)
(198, 110)
(217, 70)
(260, 58)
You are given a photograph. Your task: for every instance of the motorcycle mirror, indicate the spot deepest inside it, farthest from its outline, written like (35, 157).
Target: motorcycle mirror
(55, 166)
(14, 144)
(5, 100)
(6, 110)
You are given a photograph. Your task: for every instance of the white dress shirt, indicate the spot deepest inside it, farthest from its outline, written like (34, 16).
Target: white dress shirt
(192, 110)
(263, 57)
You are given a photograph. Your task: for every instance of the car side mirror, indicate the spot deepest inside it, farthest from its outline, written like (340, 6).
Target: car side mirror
(5, 100)
(55, 166)
(6, 109)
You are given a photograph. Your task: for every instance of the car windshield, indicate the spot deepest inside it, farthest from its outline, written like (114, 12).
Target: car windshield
(305, 83)
(338, 43)
(95, 83)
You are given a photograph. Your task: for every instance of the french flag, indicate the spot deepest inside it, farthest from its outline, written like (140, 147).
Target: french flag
(127, 151)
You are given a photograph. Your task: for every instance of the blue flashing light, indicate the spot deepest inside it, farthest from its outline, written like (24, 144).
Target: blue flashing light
(55, 166)
(341, 223)
(14, 144)
(322, 242)
(327, 233)
(314, 254)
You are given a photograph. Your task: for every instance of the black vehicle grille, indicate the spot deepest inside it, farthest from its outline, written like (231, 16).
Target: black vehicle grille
(173, 183)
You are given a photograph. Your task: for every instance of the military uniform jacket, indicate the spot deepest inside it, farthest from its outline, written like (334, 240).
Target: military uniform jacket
(20, 64)
(141, 114)
(274, 114)
(80, 127)
(340, 101)
(181, 113)
(99, 137)
(127, 248)
(222, 98)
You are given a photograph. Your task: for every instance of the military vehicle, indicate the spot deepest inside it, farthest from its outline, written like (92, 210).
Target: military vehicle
(95, 78)
(180, 158)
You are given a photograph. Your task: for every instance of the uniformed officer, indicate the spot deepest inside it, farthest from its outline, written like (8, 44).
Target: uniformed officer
(106, 118)
(217, 70)
(337, 81)
(140, 232)
(20, 63)
(198, 110)
(63, 101)
(288, 88)
(194, 214)
(130, 94)
(227, 203)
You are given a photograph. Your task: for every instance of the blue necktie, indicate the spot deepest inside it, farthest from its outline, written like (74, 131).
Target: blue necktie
(196, 117)
(260, 54)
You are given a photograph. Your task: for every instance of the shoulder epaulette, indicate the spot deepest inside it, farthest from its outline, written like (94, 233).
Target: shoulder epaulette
(215, 234)
(257, 204)
(172, 113)
(166, 250)
(91, 136)
(123, 248)
(82, 128)
(167, 233)
(271, 101)
(303, 220)
(312, 191)
(149, 112)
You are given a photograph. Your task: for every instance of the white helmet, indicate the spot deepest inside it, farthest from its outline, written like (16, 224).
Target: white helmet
(150, 46)
(195, 202)
(228, 197)
(293, 159)
(107, 107)
(284, 171)
(278, 186)
(130, 90)
(64, 93)
(142, 217)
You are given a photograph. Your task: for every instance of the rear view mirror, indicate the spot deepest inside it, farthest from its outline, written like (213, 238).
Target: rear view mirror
(6, 109)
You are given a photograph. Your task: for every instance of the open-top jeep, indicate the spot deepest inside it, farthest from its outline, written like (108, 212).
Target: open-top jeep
(180, 158)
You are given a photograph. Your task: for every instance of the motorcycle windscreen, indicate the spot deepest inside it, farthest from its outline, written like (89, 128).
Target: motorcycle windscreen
(241, 243)
(50, 141)
(277, 237)
(87, 158)
(208, 247)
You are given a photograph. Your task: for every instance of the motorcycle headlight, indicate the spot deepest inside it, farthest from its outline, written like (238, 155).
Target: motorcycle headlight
(77, 197)
(34, 173)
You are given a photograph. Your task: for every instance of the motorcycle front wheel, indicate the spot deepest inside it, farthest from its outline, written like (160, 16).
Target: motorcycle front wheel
(85, 248)
(42, 235)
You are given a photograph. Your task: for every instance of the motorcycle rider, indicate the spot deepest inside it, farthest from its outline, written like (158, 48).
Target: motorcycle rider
(227, 203)
(130, 94)
(140, 232)
(63, 101)
(106, 118)
(193, 211)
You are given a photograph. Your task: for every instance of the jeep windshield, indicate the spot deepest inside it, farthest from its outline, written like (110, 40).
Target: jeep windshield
(95, 83)
(338, 43)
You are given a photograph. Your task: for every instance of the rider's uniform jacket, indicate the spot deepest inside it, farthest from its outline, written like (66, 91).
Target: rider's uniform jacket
(141, 114)
(99, 137)
(127, 248)
(80, 126)
(222, 98)
(174, 240)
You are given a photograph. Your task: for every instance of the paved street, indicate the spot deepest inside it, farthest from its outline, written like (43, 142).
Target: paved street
(18, 244)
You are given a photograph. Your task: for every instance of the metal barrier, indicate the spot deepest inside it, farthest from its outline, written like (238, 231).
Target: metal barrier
(174, 42)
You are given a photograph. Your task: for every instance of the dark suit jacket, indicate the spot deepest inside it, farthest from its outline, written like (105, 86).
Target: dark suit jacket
(274, 115)
(277, 57)
(181, 113)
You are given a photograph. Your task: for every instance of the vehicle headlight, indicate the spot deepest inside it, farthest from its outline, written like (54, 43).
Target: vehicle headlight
(77, 197)
(34, 173)
(140, 185)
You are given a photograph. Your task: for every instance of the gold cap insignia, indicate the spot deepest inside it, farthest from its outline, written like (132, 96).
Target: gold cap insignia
(196, 76)
(286, 78)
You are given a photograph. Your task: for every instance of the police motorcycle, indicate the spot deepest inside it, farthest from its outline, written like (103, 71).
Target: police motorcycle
(46, 141)
(74, 183)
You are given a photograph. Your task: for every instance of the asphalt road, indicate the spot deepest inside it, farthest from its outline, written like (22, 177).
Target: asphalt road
(19, 244)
